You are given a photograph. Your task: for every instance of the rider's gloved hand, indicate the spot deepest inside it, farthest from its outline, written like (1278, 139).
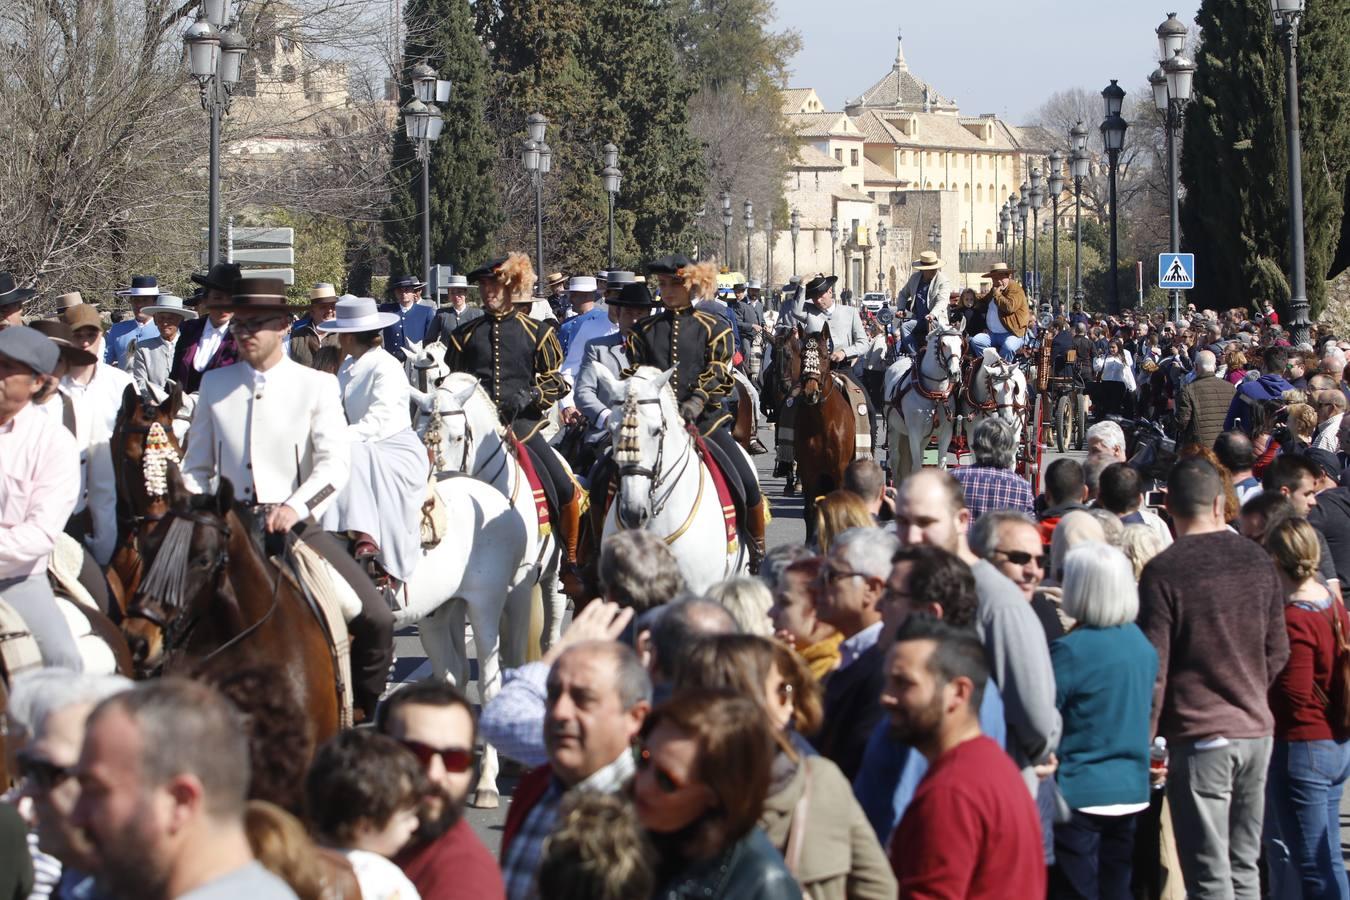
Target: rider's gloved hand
(692, 408)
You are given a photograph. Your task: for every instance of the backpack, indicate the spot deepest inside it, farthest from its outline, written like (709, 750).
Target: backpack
(1338, 703)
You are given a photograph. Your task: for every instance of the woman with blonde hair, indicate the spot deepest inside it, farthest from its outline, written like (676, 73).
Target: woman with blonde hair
(749, 601)
(837, 512)
(697, 344)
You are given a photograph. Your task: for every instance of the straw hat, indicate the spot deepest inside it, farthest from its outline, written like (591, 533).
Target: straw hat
(928, 261)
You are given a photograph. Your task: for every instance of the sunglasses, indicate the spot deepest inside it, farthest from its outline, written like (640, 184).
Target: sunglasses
(456, 760)
(833, 576)
(43, 774)
(1021, 557)
(252, 326)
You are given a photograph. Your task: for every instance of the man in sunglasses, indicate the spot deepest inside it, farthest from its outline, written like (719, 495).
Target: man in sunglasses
(58, 702)
(1010, 541)
(445, 859)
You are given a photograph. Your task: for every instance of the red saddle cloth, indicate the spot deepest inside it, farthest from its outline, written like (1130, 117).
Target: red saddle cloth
(532, 478)
(719, 479)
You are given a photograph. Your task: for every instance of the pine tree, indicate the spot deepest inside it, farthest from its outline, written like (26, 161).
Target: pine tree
(1234, 162)
(465, 211)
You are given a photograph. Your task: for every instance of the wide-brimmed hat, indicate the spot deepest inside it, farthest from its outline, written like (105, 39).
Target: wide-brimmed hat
(999, 269)
(222, 277)
(141, 286)
(268, 294)
(60, 334)
(172, 306)
(634, 294)
(739, 286)
(197, 297)
(581, 284)
(820, 286)
(82, 316)
(928, 261)
(618, 278)
(407, 282)
(67, 300)
(554, 279)
(457, 281)
(355, 314)
(753, 285)
(10, 292)
(322, 292)
(30, 348)
(668, 265)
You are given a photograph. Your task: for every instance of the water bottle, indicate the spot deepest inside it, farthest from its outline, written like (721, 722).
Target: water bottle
(1157, 757)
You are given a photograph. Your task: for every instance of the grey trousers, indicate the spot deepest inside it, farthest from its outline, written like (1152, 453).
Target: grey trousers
(32, 598)
(1218, 801)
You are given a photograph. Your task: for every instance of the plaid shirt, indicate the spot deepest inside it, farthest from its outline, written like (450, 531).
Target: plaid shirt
(988, 488)
(522, 862)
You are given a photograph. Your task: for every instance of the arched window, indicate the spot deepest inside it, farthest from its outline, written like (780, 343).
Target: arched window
(979, 193)
(965, 192)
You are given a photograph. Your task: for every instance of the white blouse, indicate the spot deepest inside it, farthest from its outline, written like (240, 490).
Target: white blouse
(375, 395)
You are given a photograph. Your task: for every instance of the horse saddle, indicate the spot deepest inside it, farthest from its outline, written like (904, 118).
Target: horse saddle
(333, 602)
(19, 650)
(730, 499)
(862, 421)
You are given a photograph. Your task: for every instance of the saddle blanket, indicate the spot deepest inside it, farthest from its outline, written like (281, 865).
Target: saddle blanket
(335, 604)
(536, 486)
(19, 651)
(724, 498)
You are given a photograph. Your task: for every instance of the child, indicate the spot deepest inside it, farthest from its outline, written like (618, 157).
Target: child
(361, 797)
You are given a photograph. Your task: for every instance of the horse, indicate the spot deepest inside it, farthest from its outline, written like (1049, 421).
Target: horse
(921, 399)
(823, 423)
(662, 484)
(215, 604)
(996, 387)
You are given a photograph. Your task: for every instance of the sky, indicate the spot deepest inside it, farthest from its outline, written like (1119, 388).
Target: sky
(990, 56)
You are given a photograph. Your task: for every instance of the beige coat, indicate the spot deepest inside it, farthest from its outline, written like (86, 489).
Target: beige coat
(840, 856)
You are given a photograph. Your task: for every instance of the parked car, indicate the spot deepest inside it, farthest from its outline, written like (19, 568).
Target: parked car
(874, 300)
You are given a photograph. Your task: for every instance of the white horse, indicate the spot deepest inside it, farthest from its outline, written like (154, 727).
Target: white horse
(997, 388)
(920, 401)
(663, 485)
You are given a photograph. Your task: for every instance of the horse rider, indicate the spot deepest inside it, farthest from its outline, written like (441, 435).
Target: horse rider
(557, 296)
(589, 320)
(382, 501)
(306, 338)
(276, 430)
(1006, 313)
(455, 312)
(143, 291)
(414, 317)
(40, 462)
(569, 414)
(698, 345)
(749, 317)
(925, 297)
(152, 360)
(207, 343)
(516, 359)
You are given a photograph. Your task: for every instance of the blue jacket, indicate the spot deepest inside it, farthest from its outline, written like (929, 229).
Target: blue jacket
(120, 336)
(1104, 691)
(891, 771)
(412, 325)
(1250, 393)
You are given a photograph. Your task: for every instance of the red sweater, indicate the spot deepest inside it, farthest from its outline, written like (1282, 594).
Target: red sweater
(1299, 716)
(455, 866)
(971, 832)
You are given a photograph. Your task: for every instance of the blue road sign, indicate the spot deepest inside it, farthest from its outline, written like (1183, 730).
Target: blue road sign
(1176, 271)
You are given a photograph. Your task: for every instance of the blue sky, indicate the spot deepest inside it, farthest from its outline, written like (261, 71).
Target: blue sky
(991, 56)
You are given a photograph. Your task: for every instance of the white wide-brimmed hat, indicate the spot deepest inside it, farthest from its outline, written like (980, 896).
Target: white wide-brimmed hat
(457, 281)
(170, 305)
(928, 261)
(358, 314)
(583, 284)
(322, 293)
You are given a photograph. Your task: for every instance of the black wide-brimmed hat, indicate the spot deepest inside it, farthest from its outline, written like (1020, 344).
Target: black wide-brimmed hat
(634, 294)
(222, 277)
(486, 270)
(820, 285)
(668, 265)
(10, 292)
(407, 282)
(267, 294)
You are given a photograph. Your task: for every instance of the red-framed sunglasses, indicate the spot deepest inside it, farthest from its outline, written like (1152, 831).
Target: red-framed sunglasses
(455, 759)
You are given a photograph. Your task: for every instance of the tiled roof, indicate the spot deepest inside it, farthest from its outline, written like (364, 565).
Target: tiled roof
(875, 174)
(900, 89)
(821, 124)
(793, 98)
(844, 192)
(809, 157)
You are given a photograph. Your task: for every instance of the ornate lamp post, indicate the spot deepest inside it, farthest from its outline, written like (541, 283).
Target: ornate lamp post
(795, 227)
(834, 239)
(1056, 184)
(612, 178)
(1078, 136)
(748, 220)
(423, 122)
(1023, 211)
(1036, 197)
(538, 159)
(1287, 15)
(1171, 83)
(881, 256)
(1113, 139)
(725, 199)
(1004, 224)
(215, 56)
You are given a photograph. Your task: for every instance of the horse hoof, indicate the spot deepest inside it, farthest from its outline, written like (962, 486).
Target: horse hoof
(485, 799)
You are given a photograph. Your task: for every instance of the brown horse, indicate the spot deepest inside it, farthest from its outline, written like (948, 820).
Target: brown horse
(822, 418)
(211, 602)
(138, 510)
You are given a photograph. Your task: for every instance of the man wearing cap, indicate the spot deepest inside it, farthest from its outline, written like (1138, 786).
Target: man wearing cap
(143, 292)
(1007, 315)
(749, 318)
(414, 318)
(516, 359)
(152, 360)
(633, 303)
(207, 343)
(455, 312)
(557, 296)
(590, 320)
(306, 338)
(40, 463)
(65, 301)
(276, 430)
(925, 298)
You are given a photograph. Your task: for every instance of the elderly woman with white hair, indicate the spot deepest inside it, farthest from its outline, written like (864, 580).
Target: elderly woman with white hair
(1104, 673)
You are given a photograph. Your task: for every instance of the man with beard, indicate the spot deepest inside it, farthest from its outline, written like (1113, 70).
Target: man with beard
(971, 831)
(58, 702)
(598, 698)
(163, 777)
(445, 860)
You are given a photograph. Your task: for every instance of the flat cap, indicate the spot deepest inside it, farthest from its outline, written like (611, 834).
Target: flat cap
(29, 347)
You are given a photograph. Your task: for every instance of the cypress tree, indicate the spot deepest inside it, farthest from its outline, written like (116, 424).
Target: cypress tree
(465, 210)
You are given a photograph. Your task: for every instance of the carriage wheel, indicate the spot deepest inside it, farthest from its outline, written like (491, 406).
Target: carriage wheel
(1064, 422)
(1080, 418)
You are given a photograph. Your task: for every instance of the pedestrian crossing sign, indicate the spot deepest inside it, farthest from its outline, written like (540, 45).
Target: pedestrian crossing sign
(1176, 271)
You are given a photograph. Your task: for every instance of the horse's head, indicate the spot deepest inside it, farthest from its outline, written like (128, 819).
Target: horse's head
(186, 554)
(789, 344)
(640, 424)
(458, 419)
(946, 346)
(1003, 384)
(428, 360)
(814, 378)
(142, 443)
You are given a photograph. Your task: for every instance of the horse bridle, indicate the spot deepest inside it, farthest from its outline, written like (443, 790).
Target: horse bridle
(656, 474)
(944, 357)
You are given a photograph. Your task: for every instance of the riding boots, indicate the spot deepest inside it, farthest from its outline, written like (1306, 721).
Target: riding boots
(569, 531)
(755, 521)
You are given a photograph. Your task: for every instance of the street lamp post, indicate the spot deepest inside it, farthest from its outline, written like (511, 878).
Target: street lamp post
(1078, 135)
(748, 220)
(215, 56)
(725, 199)
(1023, 208)
(1056, 184)
(881, 256)
(538, 159)
(1113, 139)
(834, 239)
(423, 122)
(1287, 15)
(611, 177)
(1171, 83)
(795, 227)
(1036, 197)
